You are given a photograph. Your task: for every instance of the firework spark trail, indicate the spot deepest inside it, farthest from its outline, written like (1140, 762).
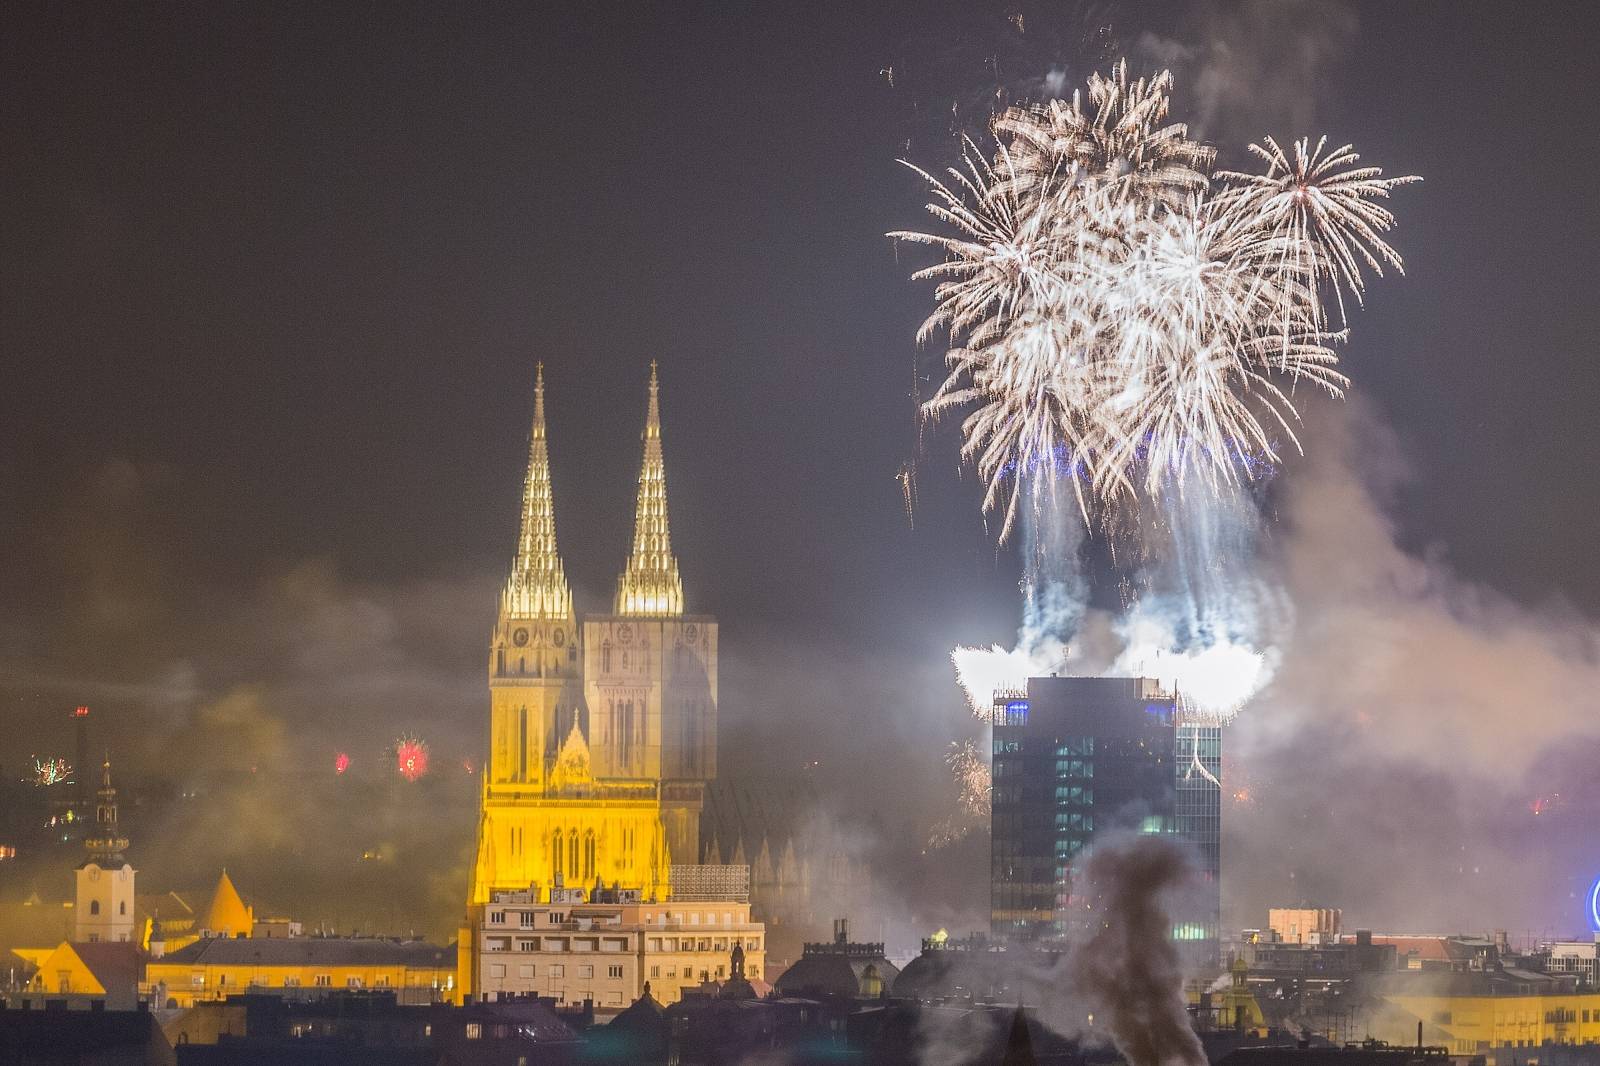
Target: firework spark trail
(47, 772)
(1121, 315)
(411, 757)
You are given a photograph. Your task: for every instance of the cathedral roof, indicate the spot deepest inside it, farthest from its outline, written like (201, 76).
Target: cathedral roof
(537, 585)
(650, 586)
(226, 914)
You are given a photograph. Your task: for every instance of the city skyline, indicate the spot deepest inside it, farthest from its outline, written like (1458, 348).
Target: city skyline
(264, 432)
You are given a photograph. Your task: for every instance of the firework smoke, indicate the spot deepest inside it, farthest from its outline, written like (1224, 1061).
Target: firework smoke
(1129, 969)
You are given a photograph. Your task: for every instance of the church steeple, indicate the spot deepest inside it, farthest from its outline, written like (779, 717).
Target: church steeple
(537, 586)
(650, 586)
(105, 842)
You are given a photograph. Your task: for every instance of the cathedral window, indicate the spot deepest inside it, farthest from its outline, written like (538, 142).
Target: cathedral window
(556, 850)
(605, 657)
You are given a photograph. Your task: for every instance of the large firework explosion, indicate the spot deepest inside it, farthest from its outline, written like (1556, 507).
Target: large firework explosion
(1125, 319)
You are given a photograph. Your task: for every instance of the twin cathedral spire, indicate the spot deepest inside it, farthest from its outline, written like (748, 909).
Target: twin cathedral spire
(649, 587)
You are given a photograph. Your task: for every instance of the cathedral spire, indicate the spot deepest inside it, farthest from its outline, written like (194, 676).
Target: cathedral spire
(651, 585)
(537, 587)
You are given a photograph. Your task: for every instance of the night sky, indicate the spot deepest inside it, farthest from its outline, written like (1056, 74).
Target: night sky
(273, 282)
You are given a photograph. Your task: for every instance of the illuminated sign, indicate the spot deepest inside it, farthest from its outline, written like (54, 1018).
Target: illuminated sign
(1016, 712)
(1594, 905)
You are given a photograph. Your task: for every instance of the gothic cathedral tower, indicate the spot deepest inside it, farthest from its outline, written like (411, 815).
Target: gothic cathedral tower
(551, 818)
(535, 687)
(650, 671)
(103, 909)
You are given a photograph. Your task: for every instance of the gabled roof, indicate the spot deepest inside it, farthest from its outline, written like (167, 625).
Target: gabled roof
(311, 951)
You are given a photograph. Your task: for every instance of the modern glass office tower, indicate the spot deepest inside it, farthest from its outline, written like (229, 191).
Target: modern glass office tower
(1077, 757)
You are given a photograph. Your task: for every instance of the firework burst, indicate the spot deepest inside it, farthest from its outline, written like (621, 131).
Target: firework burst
(411, 757)
(47, 772)
(1123, 319)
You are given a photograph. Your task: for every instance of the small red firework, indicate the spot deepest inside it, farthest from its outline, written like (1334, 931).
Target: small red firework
(341, 763)
(411, 757)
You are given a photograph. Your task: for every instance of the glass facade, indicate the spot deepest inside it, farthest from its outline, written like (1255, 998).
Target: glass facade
(1085, 755)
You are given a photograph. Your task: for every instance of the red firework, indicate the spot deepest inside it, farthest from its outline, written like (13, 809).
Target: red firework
(341, 763)
(411, 757)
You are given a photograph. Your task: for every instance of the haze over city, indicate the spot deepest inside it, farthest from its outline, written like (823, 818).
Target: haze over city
(276, 283)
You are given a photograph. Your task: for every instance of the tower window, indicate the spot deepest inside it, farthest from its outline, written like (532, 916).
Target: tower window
(94, 906)
(122, 908)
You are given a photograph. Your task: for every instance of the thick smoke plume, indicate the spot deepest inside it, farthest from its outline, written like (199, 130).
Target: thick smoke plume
(1128, 970)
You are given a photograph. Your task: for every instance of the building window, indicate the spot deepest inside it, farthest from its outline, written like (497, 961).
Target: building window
(94, 906)
(585, 971)
(614, 971)
(655, 972)
(525, 919)
(474, 1031)
(558, 970)
(497, 917)
(497, 969)
(526, 971)
(352, 982)
(122, 908)
(291, 982)
(324, 980)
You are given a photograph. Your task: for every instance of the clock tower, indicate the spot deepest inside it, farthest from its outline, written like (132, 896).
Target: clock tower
(103, 908)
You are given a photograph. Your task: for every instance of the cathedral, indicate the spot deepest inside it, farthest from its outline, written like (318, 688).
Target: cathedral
(602, 730)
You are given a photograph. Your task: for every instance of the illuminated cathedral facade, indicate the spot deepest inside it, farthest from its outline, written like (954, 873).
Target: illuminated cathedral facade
(602, 730)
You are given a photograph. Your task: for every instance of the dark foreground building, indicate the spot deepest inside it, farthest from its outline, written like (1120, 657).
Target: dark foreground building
(1078, 757)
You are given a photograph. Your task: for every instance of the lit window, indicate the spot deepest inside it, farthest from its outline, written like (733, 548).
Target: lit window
(474, 1031)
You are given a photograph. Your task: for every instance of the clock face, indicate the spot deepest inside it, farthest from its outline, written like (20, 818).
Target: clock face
(560, 638)
(519, 636)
